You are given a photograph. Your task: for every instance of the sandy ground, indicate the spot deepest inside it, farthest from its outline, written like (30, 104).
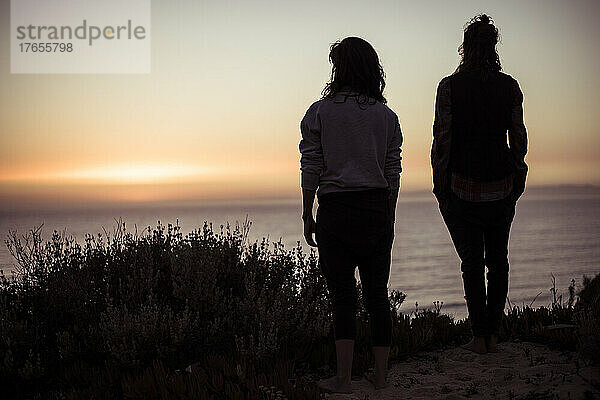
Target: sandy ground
(520, 371)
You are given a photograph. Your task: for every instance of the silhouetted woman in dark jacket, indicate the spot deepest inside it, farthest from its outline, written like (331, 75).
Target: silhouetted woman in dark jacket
(477, 175)
(351, 158)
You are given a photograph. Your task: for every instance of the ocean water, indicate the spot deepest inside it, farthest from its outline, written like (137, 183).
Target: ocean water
(553, 233)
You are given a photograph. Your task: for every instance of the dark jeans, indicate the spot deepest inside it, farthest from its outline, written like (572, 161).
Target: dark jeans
(353, 229)
(480, 232)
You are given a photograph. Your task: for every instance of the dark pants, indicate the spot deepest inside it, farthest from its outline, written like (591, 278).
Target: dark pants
(480, 232)
(353, 229)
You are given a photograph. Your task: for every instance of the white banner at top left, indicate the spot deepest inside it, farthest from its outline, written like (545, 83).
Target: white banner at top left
(80, 36)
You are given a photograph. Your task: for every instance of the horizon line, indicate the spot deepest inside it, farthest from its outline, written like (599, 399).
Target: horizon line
(10, 204)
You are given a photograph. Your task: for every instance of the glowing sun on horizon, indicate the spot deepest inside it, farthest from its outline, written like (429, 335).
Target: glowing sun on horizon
(137, 173)
(123, 173)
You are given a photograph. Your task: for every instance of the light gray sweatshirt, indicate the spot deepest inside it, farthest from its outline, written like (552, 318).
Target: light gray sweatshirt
(349, 146)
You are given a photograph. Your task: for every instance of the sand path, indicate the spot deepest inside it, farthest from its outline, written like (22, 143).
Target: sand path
(520, 371)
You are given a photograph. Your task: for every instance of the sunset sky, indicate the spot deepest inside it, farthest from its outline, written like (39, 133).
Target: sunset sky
(218, 116)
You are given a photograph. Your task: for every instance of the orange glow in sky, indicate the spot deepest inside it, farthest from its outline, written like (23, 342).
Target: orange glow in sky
(124, 174)
(218, 116)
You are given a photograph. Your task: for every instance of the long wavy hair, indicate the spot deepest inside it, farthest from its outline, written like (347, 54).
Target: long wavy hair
(478, 49)
(355, 65)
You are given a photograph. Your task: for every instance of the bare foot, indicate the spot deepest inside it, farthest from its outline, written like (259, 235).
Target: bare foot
(491, 343)
(377, 382)
(335, 385)
(477, 345)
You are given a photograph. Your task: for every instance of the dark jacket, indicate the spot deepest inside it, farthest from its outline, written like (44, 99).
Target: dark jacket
(472, 120)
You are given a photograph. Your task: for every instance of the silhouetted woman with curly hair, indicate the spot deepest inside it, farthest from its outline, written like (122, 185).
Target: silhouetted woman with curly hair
(477, 175)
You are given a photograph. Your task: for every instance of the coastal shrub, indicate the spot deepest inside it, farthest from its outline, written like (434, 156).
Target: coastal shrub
(571, 323)
(208, 315)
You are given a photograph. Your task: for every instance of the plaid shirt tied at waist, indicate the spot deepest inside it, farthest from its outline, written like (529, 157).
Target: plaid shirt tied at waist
(467, 189)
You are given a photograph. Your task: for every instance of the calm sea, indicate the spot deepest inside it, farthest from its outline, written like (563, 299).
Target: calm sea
(556, 232)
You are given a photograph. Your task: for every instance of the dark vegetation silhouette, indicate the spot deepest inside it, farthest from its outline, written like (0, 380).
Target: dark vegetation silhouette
(123, 314)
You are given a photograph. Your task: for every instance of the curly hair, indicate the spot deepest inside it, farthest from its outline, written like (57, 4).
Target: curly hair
(355, 65)
(478, 49)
